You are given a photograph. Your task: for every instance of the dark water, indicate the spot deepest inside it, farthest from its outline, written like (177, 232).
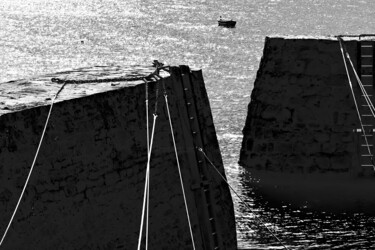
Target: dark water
(39, 36)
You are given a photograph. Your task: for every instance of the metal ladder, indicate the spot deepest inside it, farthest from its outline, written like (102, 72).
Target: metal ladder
(201, 186)
(366, 53)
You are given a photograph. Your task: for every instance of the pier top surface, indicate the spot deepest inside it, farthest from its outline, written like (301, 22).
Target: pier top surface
(39, 91)
(321, 37)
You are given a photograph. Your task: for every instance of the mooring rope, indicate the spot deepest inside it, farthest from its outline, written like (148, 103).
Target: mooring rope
(145, 196)
(364, 92)
(367, 98)
(178, 166)
(147, 120)
(148, 175)
(149, 145)
(242, 200)
(355, 100)
(32, 165)
(356, 105)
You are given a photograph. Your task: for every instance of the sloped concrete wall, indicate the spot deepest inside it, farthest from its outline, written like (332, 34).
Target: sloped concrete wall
(86, 190)
(298, 137)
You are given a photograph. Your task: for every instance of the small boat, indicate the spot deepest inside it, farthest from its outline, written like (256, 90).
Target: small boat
(227, 23)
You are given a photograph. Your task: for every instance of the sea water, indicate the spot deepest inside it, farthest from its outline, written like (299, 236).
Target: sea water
(44, 36)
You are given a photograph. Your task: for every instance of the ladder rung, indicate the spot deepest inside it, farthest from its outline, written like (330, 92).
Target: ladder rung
(367, 85)
(360, 130)
(366, 165)
(366, 75)
(364, 145)
(367, 125)
(366, 46)
(366, 55)
(367, 115)
(366, 66)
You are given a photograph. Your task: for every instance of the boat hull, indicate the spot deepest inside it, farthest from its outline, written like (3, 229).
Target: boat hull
(227, 24)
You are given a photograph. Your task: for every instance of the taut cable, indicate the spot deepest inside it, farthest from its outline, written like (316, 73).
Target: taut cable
(32, 165)
(244, 202)
(179, 169)
(146, 183)
(355, 101)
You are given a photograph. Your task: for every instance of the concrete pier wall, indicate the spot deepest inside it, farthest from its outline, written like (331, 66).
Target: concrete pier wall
(86, 190)
(299, 143)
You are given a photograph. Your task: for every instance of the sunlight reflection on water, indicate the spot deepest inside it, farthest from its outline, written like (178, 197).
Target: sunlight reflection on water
(40, 37)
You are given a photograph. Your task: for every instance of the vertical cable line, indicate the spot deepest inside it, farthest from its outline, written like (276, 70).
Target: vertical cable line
(146, 194)
(148, 175)
(32, 165)
(145, 207)
(179, 168)
(146, 182)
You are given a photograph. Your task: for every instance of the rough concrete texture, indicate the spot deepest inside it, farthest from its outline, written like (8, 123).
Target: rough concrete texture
(298, 138)
(86, 190)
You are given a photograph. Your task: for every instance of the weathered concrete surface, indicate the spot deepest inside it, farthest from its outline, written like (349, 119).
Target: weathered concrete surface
(298, 138)
(86, 190)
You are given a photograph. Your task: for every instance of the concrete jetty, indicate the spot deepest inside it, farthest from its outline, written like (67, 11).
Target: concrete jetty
(303, 141)
(86, 190)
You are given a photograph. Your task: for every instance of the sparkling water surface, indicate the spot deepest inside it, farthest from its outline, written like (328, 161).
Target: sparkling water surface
(44, 36)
